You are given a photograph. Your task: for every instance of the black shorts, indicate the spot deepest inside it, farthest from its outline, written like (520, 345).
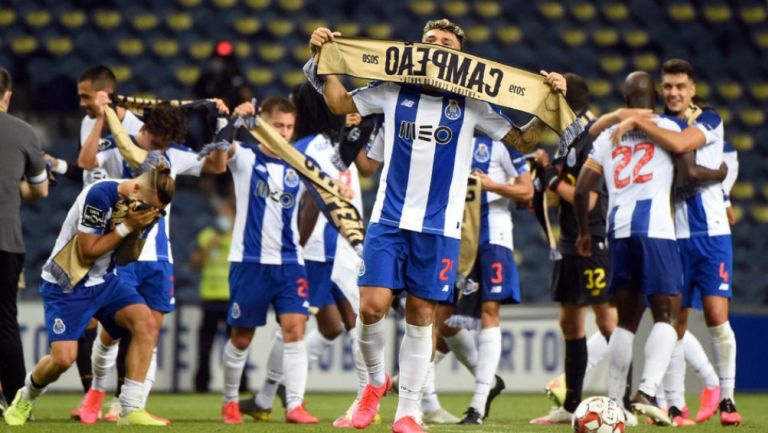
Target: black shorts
(581, 280)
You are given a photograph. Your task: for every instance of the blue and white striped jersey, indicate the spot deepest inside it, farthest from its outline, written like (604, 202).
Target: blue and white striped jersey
(731, 159)
(638, 174)
(427, 153)
(703, 213)
(183, 160)
(502, 164)
(132, 126)
(90, 214)
(267, 191)
(321, 245)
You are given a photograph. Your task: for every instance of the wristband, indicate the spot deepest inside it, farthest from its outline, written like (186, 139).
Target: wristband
(123, 230)
(551, 178)
(61, 167)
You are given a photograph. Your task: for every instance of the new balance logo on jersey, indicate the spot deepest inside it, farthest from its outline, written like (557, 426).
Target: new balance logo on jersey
(408, 103)
(446, 288)
(724, 287)
(428, 133)
(496, 289)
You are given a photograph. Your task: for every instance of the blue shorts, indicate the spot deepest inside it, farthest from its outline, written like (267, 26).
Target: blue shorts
(707, 268)
(498, 275)
(423, 264)
(153, 281)
(67, 314)
(322, 291)
(253, 287)
(650, 265)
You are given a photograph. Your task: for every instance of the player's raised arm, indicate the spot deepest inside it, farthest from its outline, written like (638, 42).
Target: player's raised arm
(334, 92)
(87, 159)
(523, 139)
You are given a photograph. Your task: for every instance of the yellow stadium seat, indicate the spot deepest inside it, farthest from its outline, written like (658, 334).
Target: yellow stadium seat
(742, 142)
(717, 13)
(107, 19)
(310, 25)
(509, 34)
(765, 191)
(272, 52)
(725, 114)
(144, 95)
(165, 47)
(23, 44)
(612, 64)
(293, 78)
(180, 21)
(600, 88)
(291, 5)
(762, 39)
(703, 89)
(682, 12)
(259, 76)
(752, 116)
(247, 25)
(573, 37)
(730, 90)
(488, 8)
(190, 3)
(38, 18)
(423, 7)
(224, 4)
(760, 214)
(348, 28)
(243, 49)
(518, 256)
(7, 17)
(456, 8)
(605, 37)
(73, 19)
(145, 21)
(59, 45)
(258, 4)
(280, 28)
(123, 73)
(478, 34)
(552, 10)
(743, 191)
(187, 75)
(616, 11)
(201, 50)
(301, 52)
(380, 31)
(130, 47)
(584, 11)
(759, 91)
(636, 38)
(646, 62)
(753, 14)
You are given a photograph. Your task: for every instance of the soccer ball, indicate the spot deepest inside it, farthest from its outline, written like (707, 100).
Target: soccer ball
(598, 415)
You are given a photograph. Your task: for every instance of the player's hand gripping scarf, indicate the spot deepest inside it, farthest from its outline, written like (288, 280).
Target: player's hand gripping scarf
(450, 70)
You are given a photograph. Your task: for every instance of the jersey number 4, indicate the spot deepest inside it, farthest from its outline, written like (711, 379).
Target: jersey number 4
(625, 152)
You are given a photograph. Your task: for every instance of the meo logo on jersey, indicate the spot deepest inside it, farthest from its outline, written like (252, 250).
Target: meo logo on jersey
(482, 155)
(428, 133)
(286, 199)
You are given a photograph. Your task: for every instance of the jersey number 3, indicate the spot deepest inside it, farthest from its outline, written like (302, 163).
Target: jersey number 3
(625, 152)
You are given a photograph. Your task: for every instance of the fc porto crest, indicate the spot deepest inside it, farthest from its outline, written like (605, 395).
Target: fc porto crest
(58, 326)
(235, 310)
(482, 153)
(452, 110)
(291, 179)
(361, 271)
(571, 157)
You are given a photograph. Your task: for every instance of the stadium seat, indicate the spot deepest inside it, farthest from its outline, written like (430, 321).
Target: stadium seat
(552, 10)
(752, 117)
(615, 11)
(257, 5)
(509, 34)
(717, 13)
(37, 18)
(271, 52)
(761, 38)
(600, 88)
(301, 52)
(348, 28)
(725, 114)
(23, 44)
(73, 19)
(7, 17)
(190, 3)
(59, 46)
(423, 8)
(187, 75)
(200, 50)
(290, 5)
(753, 14)
(293, 78)
(682, 12)
(646, 62)
(605, 37)
(760, 214)
(730, 90)
(122, 72)
(107, 19)
(703, 89)
(224, 4)
(380, 31)
(280, 28)
(180, 21)
(742, 142)
(456, 9)
(165, 47)
(612, 64)
(488, 8)
(573, 37)
(145, 21)
(259, 76)
(247, 26)
(636, 38)
(743, 191)
(584, 11)
(479, 34)
(243, 49)
(310, 25)
(759, 91)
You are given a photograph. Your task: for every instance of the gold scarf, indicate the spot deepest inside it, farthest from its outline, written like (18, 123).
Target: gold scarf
(692, 113)
(470, 227)
(450, 70)
(132, 153)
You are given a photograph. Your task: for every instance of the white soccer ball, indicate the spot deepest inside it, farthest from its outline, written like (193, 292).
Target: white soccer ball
(598, 415)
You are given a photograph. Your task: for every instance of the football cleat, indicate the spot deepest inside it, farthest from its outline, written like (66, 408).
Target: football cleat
(407, 424)
(368, 406)
(90, 408)
(230, 412)
(645, 404)
(19, 410)
(630, 420)
(709, 401)
(556, 415)
(440, 416)
(728, 413)
(251, 408)
(140, 417)
(299, 415)
(114, 410)
(281, 395)
(495, 391)
(472, 417)
(678, 419)
(555, 390)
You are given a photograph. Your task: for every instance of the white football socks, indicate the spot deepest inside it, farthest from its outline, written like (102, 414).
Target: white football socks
(30, 392)
(619, 360)
(149, 381)
(697, 359)
(724, 347)
(295, 361)
(464, 349)
(131, 396)
(658, 350)
(103, 360)
(266, 394)
(234, 361)
(317, 344)
(489, 353)
(371, 339)
(674, 378)
(360, 369)
(429, 400)
(597, 347)
(415, 362)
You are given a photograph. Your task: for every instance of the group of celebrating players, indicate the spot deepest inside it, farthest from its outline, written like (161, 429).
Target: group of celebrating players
(621, 250)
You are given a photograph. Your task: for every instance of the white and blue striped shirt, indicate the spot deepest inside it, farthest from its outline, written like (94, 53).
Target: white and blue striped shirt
(731, 159)
(427, 153)
(267, 191)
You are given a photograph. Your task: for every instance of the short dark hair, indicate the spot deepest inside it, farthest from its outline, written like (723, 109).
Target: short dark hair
(577, 95)
(678, 66)
(100, 76)
(166, 120)
(448, 26)
(280, 104)
(6, 83)
(313, 115)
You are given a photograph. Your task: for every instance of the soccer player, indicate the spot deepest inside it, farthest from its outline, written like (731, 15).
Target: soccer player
(100, 293)
(266, 264)
(417, 215)
(644, 257)
(702, 227)
(578, 282)
(504, 176)
(152, 274)
(731, 159)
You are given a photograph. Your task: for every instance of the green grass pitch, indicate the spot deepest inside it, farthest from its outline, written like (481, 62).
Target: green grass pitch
(201, 414)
